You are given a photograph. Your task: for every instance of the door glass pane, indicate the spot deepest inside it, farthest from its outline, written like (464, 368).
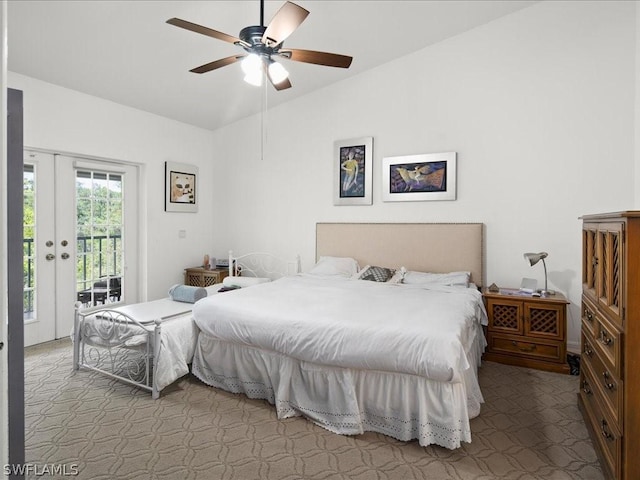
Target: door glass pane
(29, 246)
(99, 236)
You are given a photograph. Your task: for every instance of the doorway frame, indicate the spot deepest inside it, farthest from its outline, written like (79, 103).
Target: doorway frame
(140, 189)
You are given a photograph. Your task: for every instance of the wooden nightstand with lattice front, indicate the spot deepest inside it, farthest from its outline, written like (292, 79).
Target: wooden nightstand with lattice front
(203, 277)
(527, 331)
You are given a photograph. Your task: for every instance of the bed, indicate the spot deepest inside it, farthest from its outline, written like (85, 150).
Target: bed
(354, 355)
(148, 345)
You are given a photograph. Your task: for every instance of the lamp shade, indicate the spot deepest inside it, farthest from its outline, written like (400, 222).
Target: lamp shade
(253, 68)
(251, 64)
(534, 258)
(277, 72)
(254, 78)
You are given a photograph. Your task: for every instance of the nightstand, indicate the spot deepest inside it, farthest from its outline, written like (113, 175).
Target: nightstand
(527, 331)
(204, 277)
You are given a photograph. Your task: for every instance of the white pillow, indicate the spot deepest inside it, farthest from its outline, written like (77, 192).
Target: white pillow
(448, 279)
(243, 282)
(343, 266)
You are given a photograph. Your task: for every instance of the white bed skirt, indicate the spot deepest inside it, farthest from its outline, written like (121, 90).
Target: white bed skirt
(347, 401)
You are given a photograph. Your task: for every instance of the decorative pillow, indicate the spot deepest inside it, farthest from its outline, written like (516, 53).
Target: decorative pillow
(447, 279)
(343, 266)
(243, 282)
(186, 293)
(376, 274)
(398, 277)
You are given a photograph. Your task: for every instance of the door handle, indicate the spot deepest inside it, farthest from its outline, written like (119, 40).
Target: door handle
(65, 255)
(50, 256)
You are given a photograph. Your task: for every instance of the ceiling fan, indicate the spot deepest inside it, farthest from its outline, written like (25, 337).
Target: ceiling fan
(262, 43)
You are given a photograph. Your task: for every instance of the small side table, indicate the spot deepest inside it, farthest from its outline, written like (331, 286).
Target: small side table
(527, 331)
(204, 277)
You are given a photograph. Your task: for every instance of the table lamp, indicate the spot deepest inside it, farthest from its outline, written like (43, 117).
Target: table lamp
(534, 258)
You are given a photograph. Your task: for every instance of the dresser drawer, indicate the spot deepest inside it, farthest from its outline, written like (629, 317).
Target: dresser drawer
(589, 321)
(532, 348)
(607, 386)
(608, 343)
(607, 439)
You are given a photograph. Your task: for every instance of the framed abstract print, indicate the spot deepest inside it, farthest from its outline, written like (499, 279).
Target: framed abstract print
(429, 176)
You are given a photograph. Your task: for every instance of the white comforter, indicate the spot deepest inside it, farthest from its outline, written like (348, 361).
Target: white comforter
(347, 323)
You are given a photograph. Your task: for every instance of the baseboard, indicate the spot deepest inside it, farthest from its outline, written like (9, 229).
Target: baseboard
(574, 347)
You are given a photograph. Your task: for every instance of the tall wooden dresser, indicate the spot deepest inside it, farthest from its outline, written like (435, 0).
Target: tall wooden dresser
(609, 395)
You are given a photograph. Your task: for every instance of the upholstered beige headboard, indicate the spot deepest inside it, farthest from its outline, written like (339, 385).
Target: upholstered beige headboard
(424, 247)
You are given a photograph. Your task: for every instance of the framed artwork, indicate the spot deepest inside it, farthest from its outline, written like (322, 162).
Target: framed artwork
(352, 171)
(180, 194)
(419, 177)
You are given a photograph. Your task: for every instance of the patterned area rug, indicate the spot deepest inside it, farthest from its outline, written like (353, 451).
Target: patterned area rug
(80, 422)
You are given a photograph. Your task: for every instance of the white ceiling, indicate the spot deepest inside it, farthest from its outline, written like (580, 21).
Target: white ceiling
(124, 51)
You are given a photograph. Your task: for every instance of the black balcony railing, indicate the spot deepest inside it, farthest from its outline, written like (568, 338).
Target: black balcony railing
(90, 268)
(97, 245)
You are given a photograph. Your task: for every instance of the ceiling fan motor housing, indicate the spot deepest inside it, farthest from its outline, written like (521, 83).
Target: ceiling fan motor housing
(252, 41)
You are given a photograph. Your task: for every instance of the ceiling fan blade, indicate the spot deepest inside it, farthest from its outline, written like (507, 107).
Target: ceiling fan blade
(318, 58)
(283, 23)
(283, 85)
(194, 27)
(223, 62)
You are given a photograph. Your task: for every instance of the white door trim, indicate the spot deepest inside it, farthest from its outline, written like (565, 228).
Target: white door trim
(42, 328)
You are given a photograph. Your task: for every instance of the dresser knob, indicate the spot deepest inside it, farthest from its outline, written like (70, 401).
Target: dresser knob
(604, 338)
(604, 432)
(607, 384)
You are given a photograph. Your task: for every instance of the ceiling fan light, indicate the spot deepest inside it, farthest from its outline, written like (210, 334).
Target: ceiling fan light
(277, 72)
(251, 64)
(254, 78)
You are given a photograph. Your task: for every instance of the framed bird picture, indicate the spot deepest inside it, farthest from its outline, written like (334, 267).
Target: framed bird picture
(430, 176)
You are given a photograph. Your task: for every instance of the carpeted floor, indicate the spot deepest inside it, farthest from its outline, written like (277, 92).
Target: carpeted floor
(80, 422)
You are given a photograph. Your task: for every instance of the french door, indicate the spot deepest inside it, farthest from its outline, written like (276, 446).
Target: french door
(80, 239)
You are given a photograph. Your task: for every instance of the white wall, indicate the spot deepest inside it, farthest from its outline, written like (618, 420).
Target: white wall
(539, 105)
(63, 120)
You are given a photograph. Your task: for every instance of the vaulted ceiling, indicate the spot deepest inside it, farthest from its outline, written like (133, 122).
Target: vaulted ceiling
(124, 51)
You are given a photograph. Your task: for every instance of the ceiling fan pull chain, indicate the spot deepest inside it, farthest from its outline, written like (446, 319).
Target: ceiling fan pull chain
(263, 111)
